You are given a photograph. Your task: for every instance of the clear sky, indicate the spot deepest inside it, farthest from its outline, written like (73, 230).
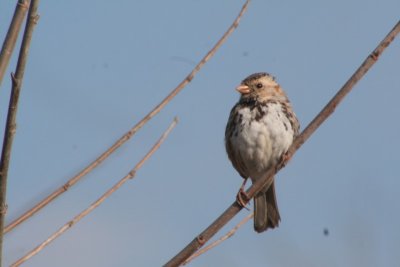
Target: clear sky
(96, 68)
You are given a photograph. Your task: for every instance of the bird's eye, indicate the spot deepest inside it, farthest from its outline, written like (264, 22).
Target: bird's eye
(259, 85)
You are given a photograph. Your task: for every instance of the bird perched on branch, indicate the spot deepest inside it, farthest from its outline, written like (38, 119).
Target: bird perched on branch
(260, 129)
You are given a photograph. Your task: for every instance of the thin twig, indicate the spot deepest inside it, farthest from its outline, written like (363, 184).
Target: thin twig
(130, 133)
(12, 112)
(220, 240)
(231, 211)
(12, 35)
(95, 204)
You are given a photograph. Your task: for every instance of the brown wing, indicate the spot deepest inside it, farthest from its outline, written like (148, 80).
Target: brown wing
(295, 124)
(288, 111)
(233, 155)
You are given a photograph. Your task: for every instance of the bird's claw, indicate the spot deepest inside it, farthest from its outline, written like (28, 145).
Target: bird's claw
(242, 198)
(284, 160)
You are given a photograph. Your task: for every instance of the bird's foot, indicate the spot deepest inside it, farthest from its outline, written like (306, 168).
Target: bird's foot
(284, 160)
(242, 198)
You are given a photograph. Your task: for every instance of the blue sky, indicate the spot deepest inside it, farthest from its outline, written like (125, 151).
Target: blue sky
(95, 69)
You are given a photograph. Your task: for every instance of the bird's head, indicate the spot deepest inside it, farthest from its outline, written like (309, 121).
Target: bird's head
(262, 87)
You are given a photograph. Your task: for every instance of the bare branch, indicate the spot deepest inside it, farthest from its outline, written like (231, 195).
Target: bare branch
(220, 240)
(231, 211)
(12, 113)
(12, 35)
(131, 132)
(95, 204)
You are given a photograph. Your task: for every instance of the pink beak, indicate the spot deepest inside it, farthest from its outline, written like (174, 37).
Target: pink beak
(243, 89)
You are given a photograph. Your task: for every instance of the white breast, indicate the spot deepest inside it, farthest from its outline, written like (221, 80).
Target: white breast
(262, 141)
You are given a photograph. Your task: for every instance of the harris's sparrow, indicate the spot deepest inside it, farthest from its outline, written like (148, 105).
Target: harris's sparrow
(260, 129)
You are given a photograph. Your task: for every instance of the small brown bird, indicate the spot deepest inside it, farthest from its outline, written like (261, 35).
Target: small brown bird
(260, 130)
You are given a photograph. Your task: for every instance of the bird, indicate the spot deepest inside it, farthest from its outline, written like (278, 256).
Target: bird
(260, 129)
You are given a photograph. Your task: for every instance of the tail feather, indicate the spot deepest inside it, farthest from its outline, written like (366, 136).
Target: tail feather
(266, 213)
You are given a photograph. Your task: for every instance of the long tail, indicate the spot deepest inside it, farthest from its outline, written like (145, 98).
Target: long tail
(266, 213)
